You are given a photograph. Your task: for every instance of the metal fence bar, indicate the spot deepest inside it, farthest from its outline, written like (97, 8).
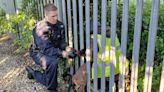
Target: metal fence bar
(81, 29)
(87, 10)
(38, 9)
(59, 5)
(41, 6)
(51, 1)
(69, 17)
(48, 1)
(151, 45)
(55, 2)
(64, 19)
(75, 35)
(136, 45)
(124, 31)
(103, 33)
(162, 78)
(44, 2)
(112, 47)
(95, 28)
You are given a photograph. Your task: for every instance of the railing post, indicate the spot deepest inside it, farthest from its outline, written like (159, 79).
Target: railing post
(151, 45)
(81, 29)
(136, 45)
(87, 11)
(113, 46)
(124, 31)
(64, 19)
(41, 6)
(69, 17)
(95, 28)
(103, 40)
(75, 35)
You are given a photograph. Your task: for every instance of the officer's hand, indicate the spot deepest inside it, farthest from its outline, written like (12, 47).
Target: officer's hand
(65, 54)
(43, 62)
(68, 49)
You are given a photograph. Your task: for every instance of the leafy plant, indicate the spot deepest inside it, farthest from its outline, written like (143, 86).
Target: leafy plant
(25, 25)
(20, 24)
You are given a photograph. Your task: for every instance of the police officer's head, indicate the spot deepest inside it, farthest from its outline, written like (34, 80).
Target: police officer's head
(51, 13)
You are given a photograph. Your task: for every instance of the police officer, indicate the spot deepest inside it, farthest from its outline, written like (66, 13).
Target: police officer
(49, 38)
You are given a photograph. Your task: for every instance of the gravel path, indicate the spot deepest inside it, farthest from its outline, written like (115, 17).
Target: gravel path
(12, 71)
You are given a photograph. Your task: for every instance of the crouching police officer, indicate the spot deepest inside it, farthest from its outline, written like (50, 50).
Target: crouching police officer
(49, 39)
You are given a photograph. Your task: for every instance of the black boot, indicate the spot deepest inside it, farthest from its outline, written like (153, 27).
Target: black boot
(30, 72)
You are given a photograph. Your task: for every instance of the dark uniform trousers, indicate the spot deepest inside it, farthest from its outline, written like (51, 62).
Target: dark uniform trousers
(49, 76)
(51, 53)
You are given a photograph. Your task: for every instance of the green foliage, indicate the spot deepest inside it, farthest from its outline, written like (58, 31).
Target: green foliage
(25, 32)
(30, 8)
(5, 24)
(18, 24)
(159, 46)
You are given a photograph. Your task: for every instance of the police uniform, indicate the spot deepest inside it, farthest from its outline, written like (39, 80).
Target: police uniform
(50, 49)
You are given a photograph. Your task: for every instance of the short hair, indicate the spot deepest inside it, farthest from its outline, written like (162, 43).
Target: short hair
(49, 7)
